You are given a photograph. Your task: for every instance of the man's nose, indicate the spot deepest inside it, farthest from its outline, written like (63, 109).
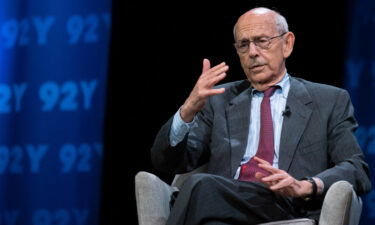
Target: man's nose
(253, 49)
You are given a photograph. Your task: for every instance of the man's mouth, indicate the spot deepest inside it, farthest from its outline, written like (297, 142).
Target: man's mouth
(256, 66)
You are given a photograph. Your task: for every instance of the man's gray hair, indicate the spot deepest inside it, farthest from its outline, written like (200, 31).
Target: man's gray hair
(280, 21)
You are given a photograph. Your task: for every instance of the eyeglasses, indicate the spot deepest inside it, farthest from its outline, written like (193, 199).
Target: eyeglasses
(260, 42)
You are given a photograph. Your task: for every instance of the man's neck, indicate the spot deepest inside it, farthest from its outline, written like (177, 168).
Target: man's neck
(262, 86)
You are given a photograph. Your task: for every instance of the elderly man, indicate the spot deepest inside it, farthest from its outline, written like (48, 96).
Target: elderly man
(273, 143)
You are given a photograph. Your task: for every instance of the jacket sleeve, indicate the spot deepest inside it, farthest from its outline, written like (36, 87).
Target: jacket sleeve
(191, 152)
(346, 157)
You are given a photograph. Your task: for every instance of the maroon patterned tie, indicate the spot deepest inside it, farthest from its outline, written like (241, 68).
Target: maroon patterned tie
(266, 146)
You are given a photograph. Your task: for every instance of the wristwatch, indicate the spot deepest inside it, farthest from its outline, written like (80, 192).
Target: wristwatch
(314, 187)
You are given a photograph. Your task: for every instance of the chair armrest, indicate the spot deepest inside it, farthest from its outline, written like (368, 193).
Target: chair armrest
(300, 221)
(341, 205)
(179, 179)
(152, 197)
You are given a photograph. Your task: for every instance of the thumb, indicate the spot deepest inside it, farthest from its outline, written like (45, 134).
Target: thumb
(206, 65)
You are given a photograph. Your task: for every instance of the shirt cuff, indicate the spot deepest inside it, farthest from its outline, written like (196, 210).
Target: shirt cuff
(179, 129)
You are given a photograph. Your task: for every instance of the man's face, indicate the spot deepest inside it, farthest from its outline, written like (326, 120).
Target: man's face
(261, 66)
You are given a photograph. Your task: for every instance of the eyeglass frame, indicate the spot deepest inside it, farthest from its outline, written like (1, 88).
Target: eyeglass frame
(257, 44)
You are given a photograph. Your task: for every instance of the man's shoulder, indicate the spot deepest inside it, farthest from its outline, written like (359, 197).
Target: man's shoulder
(317, 92)
(315, 86)
(237, 87)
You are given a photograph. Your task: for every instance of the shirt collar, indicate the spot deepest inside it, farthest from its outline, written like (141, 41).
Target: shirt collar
(284, 85)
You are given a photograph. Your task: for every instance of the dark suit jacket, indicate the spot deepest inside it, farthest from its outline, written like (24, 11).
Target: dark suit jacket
(316, 140)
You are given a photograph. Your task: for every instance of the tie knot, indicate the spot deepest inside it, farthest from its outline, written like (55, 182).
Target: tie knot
(269, 92)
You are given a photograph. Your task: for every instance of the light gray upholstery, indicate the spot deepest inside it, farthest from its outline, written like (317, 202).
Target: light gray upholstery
(303, 221)
(341, 205)
(180, 178)
(152, 197)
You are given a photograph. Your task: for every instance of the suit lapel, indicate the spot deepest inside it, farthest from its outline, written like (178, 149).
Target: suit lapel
(294, 124)
(238, 118)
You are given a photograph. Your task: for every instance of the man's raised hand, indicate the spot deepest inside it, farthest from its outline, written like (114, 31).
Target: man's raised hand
(203, 89)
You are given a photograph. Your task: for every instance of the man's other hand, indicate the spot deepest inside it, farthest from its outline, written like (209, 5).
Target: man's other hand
(281, 182)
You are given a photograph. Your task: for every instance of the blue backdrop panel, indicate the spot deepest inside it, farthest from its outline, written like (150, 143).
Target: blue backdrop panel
(53, 66)
(360, 81)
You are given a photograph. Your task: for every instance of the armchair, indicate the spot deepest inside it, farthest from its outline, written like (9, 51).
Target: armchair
(341, 205)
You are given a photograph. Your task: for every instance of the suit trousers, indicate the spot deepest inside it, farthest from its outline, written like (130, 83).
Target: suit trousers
(210, 199)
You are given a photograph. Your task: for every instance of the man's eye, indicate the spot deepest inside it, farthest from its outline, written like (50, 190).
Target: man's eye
(243, 44)
(262, 40)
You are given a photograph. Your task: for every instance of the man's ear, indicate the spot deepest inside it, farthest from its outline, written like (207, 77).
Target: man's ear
(288, 44)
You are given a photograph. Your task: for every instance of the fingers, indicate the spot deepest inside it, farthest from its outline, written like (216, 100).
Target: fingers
(210, 77)
(208, 72)
(206, 65)
(279, 181)
(210, 92)
(214, 80)
(267, 167)
(215, 91)
(259, 160)
(284, 183)
(261, 178)
(279, 178)
(274, 177)
(203, 89)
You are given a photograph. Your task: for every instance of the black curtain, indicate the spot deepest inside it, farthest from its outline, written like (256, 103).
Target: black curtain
(156, 57)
